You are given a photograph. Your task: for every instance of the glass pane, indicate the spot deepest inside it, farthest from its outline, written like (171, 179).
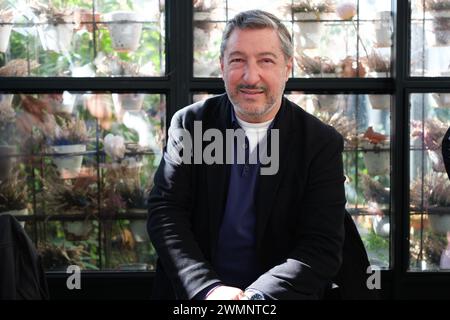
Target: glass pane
(429, 183)
(430, 38)
(77, 167)
(330, 40)
(80, 38)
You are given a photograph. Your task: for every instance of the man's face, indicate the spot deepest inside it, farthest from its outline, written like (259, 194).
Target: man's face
(255, 72)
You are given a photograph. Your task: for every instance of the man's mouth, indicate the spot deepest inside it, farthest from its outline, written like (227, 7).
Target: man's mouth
(251, 91)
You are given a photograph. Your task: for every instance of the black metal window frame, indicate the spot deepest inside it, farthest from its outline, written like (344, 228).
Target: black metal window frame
(179, 84)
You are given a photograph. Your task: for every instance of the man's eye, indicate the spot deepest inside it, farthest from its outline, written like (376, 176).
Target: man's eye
(267, 60)
(236, 60)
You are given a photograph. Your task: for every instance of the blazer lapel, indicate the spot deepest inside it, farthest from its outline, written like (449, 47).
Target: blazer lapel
(269, 184)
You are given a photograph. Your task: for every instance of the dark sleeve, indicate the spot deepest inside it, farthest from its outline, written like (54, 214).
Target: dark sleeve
(317, 255)
(169, 221)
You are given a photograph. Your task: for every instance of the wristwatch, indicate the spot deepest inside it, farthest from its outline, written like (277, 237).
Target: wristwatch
(253, 295)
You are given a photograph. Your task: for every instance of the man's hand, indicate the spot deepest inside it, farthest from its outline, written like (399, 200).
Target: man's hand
(225, 293)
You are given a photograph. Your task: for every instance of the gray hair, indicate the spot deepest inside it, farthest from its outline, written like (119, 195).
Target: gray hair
(258, 19)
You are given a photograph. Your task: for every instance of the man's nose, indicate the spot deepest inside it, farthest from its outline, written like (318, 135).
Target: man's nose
(251, 73)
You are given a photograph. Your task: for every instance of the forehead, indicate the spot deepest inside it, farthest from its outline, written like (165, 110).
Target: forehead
(254, 41)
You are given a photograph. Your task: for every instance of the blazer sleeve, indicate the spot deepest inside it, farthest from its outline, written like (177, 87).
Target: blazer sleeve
(317, 253)
(169, 225)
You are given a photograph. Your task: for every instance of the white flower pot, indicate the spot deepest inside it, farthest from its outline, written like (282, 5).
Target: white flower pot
(206, 68)
(201, 39)
(139, 230)
(440, 24)
(439, 218)
(128, 101)
(442, 99)
(380, 101)
(78, 230)
(5, 33)
(436, 159)
(377, 161)
(379, 74)
(327, 102)
(124, 30)
(381, 225)
(57, 37)
(68, 166)
(15, 213)
(6, 99)
(383, 29)
(309, 35)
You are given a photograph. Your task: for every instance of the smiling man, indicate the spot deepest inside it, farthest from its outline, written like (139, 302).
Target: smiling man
(225, 231)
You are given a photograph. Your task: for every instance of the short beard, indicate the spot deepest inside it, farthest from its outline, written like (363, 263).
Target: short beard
(256, 114)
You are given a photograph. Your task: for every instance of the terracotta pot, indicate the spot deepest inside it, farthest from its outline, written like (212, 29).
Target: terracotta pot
(86, 19)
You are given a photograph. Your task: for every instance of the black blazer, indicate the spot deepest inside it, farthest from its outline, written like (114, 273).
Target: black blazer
(22, 276)
(300, 210)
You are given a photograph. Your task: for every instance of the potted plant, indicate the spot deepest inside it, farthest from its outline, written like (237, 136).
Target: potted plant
(349, 68)
(440, 11)
(59, 257)
(55, 27)
(317, 66)
(442, 99)
(378, 197)
(74, 197)
(127, 102)
(378, 66)
(207, 10)
(343, 124)
(14, 195)
(383, 29)
(436, 200)
(135, 196)
(329, 102)
(308, 13)
(6, 25)
(431, 133)
(125, 29)
(68, 141)
(7, 135)
(85, 19)
(123, 176)
(18, 68)
(375, 152)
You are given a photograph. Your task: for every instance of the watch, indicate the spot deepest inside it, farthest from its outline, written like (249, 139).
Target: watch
(254, 295)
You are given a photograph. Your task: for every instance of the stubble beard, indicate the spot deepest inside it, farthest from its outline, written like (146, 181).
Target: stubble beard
(254, 113)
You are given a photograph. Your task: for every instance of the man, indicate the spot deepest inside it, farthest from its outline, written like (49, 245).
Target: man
(226, 230)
